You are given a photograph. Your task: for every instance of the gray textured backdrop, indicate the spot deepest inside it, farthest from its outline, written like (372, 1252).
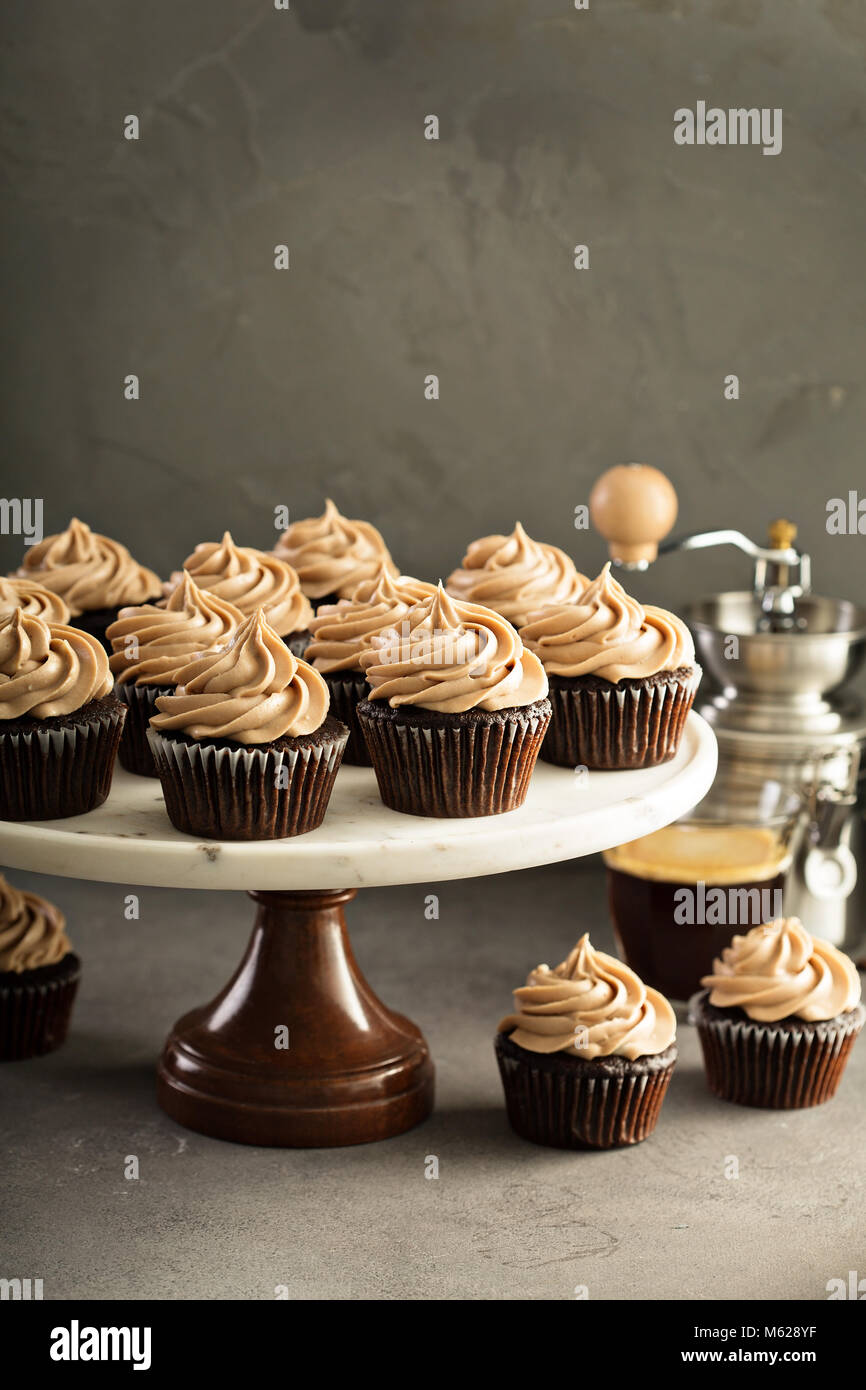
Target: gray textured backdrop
(409, 256)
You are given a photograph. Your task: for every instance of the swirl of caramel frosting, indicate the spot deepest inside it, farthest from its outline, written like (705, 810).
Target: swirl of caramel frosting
(515, 576)
(342, 631)
(609, 634)
(33, 599)
(248, 579)
(32, 931)
(48, 669)
(152, 643)
(780, 971)
(452, 657)
(332, 554)
(251, 691)
(591, 1005)
(88, 571)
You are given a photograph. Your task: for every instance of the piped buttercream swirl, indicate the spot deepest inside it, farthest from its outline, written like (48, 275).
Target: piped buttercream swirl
(32, 930)
(33, 599)
(252, 691)
(608, 634)
(332, 554)
(452, 657)
(47, 669)
(152, 643)
(342, 631)
(89, 571)
(249, 579)
(591, 1005)
(516, 576)
(780, 971)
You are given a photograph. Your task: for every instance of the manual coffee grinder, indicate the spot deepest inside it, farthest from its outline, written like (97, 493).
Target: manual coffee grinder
(778, 660)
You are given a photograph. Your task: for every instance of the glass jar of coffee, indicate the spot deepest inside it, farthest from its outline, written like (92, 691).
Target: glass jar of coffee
(678, 896)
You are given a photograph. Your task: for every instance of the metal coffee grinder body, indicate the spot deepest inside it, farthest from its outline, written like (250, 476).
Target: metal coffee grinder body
(778, 661)
(781, 712)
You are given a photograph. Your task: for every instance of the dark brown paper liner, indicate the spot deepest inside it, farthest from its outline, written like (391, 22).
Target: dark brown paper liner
(58, 770)
(566, 1102)
(456, 769)
(140, 700)
(616, 729)
(775, 1068)
(232, 793)
(34, 1011)
(347, 690)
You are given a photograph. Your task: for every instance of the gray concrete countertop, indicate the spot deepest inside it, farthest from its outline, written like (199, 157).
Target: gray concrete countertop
(504, 1220)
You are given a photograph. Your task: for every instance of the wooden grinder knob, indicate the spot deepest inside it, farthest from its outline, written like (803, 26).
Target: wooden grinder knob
(634, 507)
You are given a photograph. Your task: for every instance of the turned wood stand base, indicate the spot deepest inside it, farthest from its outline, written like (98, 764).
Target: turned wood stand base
(352, 1071)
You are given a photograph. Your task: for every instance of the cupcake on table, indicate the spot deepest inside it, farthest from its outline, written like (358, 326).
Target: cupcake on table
(33, 599)
(456, 711)
(250, 580)
(342, 631)
(515, 576)
(623, 677)
(244, 746)
(60, 720)
(94, 575)
(151, 644)
(38, 975)
(778, 1017)
(587, 1055)
(333, 555)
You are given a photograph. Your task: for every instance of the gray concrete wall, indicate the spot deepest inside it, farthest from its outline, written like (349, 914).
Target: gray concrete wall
(411, 256)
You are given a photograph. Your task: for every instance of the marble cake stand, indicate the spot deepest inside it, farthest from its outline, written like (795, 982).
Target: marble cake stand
(353, 1070)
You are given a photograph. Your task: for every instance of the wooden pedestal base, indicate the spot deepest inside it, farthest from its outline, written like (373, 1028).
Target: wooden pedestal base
(352, 1071)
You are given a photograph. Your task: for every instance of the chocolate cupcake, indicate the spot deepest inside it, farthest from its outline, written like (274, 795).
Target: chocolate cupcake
(516, 576)
(38, 975)
(622, 679)
(151, 644)
(340, 632)
(333, 555)
(33, 599)
(250, 580)
(587, 1056)
(60, 720)
(456, 711)
(244, 747)
(95, 576)
(778, 1018)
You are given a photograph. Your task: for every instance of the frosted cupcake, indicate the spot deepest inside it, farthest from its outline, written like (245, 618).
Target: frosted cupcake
(38, 975)
(151, 644)
(342, 631)
(622, 677)
(249, 580)
(778, 1017)
(516, 576)
(333, 555)
(244, 746)
(456, 711)
(60, 720)
(94, 575)
(33, 599)
(587, 1055)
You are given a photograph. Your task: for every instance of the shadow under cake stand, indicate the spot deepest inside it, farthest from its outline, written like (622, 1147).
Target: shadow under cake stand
(353, 1070)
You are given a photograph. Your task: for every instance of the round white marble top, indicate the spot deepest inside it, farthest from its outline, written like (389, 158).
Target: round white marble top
(361, 843)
